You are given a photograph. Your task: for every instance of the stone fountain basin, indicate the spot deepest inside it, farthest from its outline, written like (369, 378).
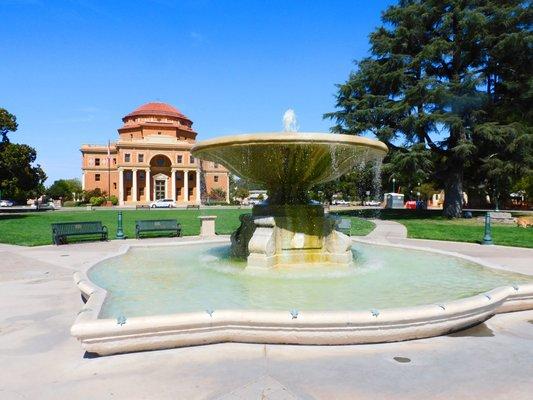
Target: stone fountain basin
(290, 158)
(110, 336)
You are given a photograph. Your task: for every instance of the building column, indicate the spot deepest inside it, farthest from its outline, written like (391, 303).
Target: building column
(173, 184)
(134, 185)
(198, 189)
(186, 185)
(121, 186)
(147, 185)
(83, 180)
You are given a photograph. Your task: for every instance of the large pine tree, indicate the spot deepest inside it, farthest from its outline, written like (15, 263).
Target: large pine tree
(446, 75)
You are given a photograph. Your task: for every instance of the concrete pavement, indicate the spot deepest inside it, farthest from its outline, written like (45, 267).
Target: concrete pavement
(40, 360)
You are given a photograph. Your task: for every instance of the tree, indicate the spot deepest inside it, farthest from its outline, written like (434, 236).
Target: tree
(20, 179)
(217, 194)
(430, 81)
(64, 188)
(241, 193)
(8, 123)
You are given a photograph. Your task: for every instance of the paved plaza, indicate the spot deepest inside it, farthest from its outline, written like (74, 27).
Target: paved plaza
(40, 360)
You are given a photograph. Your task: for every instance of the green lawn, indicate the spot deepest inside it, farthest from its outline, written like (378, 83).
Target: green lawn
(431, 225)
(361, 227)
(33, 229)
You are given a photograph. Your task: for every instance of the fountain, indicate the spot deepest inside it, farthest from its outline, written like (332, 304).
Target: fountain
(288, 228)
(192, 292)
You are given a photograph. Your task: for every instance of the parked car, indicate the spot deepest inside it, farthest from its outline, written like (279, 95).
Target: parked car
(163, 203)
(6, 203)
(340, 203)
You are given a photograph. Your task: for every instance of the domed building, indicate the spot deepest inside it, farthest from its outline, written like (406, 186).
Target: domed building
(151, 160)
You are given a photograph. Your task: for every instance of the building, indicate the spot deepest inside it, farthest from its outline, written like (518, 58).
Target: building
(151, 160)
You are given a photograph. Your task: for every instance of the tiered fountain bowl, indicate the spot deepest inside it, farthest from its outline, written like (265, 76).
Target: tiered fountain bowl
(288, 229)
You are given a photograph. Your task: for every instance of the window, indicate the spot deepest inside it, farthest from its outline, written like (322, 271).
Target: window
(114, 160)
(159, 133)
(114, 185)
(131, 135)
(97, 177)
(96, 161)
(191, 160)
(140, 158)
(127, 157)
(216, 178)
(190, 177)
(141, 191)
(180, 159)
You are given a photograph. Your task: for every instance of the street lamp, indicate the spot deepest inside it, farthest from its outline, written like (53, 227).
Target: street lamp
(393, 184)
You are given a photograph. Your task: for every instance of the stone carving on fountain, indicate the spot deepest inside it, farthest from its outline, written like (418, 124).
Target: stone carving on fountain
(289, 229)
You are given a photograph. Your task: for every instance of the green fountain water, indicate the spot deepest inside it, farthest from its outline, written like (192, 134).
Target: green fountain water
(172, 279)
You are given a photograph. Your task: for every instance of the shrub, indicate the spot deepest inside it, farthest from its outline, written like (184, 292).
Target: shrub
(97, 201)
(70, 203)
(113, 200)
(217, 194)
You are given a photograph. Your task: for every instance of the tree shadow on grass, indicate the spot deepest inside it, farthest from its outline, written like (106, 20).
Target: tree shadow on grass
(12, 216)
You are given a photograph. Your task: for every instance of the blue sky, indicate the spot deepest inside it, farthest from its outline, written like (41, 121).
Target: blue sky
(71, 69)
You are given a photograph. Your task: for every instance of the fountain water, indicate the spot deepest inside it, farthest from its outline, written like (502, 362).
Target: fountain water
(290, 122)
(289, 229)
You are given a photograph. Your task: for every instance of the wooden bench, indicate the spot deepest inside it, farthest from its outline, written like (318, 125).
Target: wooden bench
(345, 226)
(192, 206)
(157, 225)
(60, 231)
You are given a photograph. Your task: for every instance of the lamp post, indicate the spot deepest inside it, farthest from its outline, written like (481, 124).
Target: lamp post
(487, 238)
(120, 233)
(393, 185)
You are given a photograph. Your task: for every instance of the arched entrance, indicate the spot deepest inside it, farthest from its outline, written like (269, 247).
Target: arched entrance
(160, 168)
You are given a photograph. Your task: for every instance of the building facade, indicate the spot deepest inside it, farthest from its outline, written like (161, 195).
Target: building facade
(151, 160)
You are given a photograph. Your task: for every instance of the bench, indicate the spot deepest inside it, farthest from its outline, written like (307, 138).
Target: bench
(345, 226)
(192, 206)
(157, 225)
(60, 231)
(142, 206)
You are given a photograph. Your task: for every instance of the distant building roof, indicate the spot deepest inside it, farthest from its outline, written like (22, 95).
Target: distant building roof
(157, 109)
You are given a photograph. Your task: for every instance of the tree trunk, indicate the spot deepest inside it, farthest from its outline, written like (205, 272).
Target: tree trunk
(453, 191)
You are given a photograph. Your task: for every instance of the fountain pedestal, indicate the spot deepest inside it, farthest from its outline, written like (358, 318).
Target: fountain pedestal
(289, 230)
(278, 235)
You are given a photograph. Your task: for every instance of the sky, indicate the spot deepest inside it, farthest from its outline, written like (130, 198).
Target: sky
(71, 69)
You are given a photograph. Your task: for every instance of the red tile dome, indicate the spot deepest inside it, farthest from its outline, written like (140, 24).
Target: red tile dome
(157, 109)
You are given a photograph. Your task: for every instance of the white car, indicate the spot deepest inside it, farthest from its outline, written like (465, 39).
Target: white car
(340, 203)
(6, 203)
(163, 203)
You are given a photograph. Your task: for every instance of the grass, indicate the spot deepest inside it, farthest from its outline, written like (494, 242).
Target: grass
(33, 229)
(430, 224)
(361, 227)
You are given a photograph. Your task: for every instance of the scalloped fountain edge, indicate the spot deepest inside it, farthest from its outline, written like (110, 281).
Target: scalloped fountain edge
(107, 336)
